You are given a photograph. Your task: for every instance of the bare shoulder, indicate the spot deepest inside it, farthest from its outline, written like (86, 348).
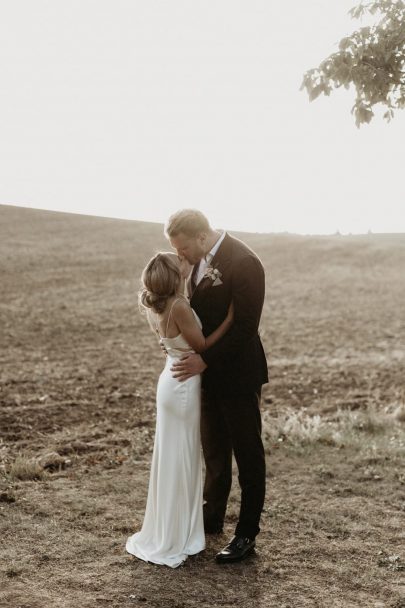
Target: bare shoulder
(181, 308)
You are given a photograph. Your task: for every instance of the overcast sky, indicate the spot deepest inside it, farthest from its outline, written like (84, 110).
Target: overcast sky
(130, 108)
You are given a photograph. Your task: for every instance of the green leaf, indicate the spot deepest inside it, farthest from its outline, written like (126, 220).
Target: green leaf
(372, 59)
(316, 91)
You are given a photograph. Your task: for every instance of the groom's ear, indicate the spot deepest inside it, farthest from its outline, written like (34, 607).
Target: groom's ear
(202, 237)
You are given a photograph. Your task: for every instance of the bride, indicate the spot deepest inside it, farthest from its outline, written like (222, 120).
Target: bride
(173, 525)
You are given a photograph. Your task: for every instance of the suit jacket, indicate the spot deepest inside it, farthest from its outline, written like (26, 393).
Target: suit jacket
(237, 362)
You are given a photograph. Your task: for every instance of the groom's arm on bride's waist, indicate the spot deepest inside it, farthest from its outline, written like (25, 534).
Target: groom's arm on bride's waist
(248, 287)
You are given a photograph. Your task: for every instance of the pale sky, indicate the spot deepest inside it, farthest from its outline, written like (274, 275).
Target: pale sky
(133, 109)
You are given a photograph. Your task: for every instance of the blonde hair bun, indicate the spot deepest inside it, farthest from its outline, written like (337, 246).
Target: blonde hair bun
(153, 300)
(161, 279)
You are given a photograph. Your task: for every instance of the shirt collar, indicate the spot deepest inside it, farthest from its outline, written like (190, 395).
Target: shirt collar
(212, 252)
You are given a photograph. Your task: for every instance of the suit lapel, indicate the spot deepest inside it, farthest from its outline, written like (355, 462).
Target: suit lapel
(221, 260)
(191, 281)
(223, 255)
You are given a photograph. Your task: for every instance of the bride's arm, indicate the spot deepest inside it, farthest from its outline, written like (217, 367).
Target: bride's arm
(190, 330)
(221, 329)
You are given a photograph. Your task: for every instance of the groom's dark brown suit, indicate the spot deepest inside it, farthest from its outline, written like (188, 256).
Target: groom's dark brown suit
(231, 385)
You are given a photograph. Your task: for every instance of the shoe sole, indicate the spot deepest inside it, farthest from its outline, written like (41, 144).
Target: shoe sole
(231, 560)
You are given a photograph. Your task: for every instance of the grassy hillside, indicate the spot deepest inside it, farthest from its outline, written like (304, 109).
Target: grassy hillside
(77, 388)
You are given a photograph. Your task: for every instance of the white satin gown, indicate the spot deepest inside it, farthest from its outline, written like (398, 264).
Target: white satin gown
(173, 526)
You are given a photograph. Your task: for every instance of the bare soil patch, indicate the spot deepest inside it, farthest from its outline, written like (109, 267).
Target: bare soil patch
(77, 392)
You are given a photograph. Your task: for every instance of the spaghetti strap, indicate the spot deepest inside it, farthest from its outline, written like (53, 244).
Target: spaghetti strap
(156, 319)
(170, 314)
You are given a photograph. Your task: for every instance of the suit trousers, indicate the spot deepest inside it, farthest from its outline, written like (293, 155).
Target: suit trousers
(233, 424)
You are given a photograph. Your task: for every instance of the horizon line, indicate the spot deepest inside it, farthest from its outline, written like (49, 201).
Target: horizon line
(337, 232)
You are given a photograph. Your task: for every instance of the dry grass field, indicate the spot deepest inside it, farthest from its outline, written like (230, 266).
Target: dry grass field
(77, 388)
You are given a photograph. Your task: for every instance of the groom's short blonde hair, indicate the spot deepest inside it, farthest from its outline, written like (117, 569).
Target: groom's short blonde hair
(187, 221)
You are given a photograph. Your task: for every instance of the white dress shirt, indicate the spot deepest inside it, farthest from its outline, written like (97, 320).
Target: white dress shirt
(206, 261)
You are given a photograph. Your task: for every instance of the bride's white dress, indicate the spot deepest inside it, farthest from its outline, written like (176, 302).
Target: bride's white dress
(173, 526)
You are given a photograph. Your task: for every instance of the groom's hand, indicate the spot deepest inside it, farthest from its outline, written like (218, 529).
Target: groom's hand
(188, 366)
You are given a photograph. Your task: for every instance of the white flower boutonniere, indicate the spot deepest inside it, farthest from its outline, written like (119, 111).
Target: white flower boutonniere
(214, 274)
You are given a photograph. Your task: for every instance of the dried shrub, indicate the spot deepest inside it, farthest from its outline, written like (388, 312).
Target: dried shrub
(25, 469)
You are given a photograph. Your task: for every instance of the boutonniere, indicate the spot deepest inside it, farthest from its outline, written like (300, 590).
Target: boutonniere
(214, 274)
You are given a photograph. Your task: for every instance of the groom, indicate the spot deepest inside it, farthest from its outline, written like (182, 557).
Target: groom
(233, 371)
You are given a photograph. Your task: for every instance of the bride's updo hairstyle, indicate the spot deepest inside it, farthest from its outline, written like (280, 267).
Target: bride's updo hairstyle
(161, 279)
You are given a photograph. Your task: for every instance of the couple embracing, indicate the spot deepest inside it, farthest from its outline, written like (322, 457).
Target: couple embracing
(204, 302)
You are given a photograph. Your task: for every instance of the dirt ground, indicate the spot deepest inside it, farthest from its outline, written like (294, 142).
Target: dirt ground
(78, 372)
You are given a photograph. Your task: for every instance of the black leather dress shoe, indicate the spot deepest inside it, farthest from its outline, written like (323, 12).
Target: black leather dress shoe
(237, 549)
